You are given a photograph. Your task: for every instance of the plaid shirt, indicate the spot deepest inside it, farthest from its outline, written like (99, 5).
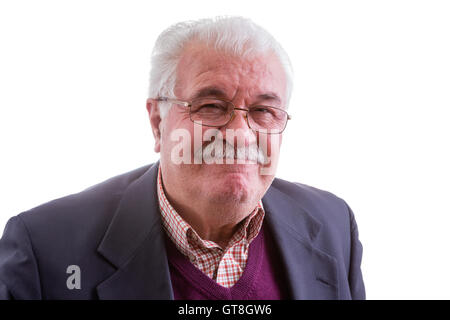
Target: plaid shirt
(225, 266)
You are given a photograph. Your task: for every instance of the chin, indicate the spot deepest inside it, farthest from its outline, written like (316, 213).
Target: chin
(232, 187)
(230, 196)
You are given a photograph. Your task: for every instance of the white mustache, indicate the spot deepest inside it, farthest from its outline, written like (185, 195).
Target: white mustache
(218, 150)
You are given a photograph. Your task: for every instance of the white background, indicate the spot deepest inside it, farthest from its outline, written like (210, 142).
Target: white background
(370, 112)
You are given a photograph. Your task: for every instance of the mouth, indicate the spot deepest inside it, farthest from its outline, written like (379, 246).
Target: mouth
(235, 159)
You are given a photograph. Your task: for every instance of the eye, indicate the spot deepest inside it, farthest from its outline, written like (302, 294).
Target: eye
(212, 106)
(209, 106)
(262, 110)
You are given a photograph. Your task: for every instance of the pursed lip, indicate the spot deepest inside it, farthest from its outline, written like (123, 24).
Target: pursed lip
(237, 168)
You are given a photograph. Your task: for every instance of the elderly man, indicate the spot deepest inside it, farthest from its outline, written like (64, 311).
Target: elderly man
(209, 220)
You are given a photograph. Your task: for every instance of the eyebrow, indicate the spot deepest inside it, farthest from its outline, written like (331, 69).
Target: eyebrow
(208, 92)
(269, 96)
(219, 93)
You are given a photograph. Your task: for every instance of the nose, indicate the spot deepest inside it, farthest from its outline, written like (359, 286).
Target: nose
(239, 130)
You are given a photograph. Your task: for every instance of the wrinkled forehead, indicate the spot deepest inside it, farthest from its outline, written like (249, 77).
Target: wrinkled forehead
(202, 67)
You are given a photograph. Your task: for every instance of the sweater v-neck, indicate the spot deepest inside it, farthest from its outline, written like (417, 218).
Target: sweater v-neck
(210, 288)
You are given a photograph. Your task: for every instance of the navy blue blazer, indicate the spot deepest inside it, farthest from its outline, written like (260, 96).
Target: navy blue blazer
(112, 231)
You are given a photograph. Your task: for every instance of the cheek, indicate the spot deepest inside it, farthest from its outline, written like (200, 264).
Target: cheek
(177, 143)
(270, 143)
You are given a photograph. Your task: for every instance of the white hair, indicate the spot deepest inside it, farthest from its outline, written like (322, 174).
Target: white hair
(235, 35)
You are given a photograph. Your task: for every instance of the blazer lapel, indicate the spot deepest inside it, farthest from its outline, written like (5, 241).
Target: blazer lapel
(311, 273)
(134, 243)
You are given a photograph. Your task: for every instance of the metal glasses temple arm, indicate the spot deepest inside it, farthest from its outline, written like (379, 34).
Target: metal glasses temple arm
(165, 99)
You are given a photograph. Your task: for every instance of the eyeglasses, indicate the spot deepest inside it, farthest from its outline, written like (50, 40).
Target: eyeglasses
(212, 112)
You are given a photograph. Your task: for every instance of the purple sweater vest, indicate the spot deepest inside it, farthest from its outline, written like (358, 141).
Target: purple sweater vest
(261, 280)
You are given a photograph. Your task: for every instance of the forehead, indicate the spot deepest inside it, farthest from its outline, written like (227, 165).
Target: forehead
(203, 67)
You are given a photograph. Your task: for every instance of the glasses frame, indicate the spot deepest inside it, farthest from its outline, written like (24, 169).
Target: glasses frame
(188, 104)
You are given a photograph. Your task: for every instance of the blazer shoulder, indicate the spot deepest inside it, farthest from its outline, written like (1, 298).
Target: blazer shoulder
(307, 195)
(326, 207)
(96, 195)
(87, 213)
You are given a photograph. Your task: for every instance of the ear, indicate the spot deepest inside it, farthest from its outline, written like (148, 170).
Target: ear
(155, 122)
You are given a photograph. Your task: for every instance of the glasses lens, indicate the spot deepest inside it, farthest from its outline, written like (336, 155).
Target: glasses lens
(210, 112)
(214, 112)
(267, 119)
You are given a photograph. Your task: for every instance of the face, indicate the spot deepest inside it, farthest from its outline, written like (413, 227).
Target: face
(245, 82)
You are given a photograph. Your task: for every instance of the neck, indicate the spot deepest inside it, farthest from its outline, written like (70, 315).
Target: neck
(211, 221)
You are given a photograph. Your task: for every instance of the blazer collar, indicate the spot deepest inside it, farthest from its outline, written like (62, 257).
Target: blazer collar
(310, 272)
(134, 244)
